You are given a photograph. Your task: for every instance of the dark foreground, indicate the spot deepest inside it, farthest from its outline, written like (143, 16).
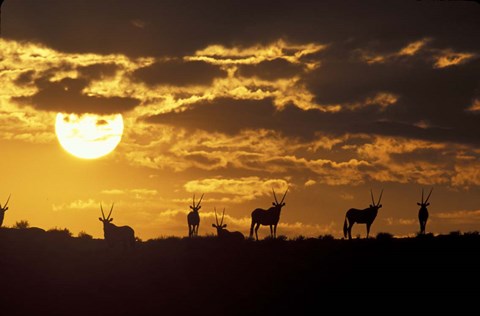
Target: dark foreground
(59, 275)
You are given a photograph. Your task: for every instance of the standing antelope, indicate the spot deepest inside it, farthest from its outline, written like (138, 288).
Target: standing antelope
(3, 209)
(365, 216)
(268, 217)
(116, 234)
(423, 212)
(223, 233)
(193, 218)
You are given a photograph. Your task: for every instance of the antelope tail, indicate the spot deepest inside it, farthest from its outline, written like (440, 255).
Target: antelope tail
(345, 227)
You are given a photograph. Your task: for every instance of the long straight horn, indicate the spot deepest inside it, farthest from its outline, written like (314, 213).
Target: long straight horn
(274, 196)
(101, 208)
(380, 198)
(216, 218)
(283, 198)
(429, 195)
(223, 215)
(199, 201)
(111, 209)
(6, 203)
(371, 193)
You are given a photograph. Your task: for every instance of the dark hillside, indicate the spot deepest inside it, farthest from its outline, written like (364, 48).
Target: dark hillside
(42, 273)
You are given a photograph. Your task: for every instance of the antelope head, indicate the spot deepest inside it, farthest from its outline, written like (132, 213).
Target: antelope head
(221, 225)
(281, 204)
(377, 205)
(103, 219)
(196, 207)
(425, 203)
(3, 209)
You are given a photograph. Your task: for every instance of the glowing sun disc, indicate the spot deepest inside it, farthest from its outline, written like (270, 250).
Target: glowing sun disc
(89, 136)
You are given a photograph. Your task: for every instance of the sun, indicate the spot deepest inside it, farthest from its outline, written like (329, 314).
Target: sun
(89, 136)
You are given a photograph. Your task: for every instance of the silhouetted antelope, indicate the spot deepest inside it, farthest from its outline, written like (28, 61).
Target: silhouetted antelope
(423, 212)
(113, 234)
(268, 217)
(223, 233)
(193, 218)
(365, 216)
(3, 209)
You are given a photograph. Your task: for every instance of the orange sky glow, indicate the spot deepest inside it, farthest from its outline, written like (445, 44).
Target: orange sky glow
(313, 97)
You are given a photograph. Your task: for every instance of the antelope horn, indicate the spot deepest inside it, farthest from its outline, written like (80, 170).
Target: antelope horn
(101, 208)
(199, 201)
(429, 195)
(223, 214)
(6, 203)
(283, 198)
(371, 193)
(216, 218)
(380, 198)
(111, 209)
(274, 196)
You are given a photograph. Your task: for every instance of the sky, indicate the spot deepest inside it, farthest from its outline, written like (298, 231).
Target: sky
(233, 99)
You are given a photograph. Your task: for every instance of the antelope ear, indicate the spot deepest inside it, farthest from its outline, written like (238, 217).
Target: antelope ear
(428, 204)
(100, 219)
(213, 225)
(283, 204)
(419, 204)
(224, 225)
(110, 220)
(371, 205)
(380, 206)
(191, 207)
(199, 207)
(273, 203)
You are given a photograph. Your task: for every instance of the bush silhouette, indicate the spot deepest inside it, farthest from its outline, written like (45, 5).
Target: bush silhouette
(24, 224)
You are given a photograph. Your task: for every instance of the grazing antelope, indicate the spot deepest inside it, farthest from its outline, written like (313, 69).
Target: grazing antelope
(268, 217)
(423, 212)
(223, 233)
(114, 234)
(193, 218)
(365, 216)
(3, 209)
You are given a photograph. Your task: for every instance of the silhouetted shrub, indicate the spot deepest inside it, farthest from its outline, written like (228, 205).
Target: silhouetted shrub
(299, 238)
(455, 233)
(24, 224)
(84, 235)
(59, 232)
(326, 237)
(384, 236)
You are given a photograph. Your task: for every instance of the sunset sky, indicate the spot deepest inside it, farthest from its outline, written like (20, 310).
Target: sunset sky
(233, 98)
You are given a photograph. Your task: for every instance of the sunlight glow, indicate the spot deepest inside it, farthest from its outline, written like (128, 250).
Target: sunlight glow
(89, 136)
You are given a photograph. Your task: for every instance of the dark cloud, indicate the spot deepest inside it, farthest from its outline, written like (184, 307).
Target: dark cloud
(179, 27)
(98, 71)
(271, 69)
(25, 78)
(66, 96)
(232, 116)
(179, 73)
